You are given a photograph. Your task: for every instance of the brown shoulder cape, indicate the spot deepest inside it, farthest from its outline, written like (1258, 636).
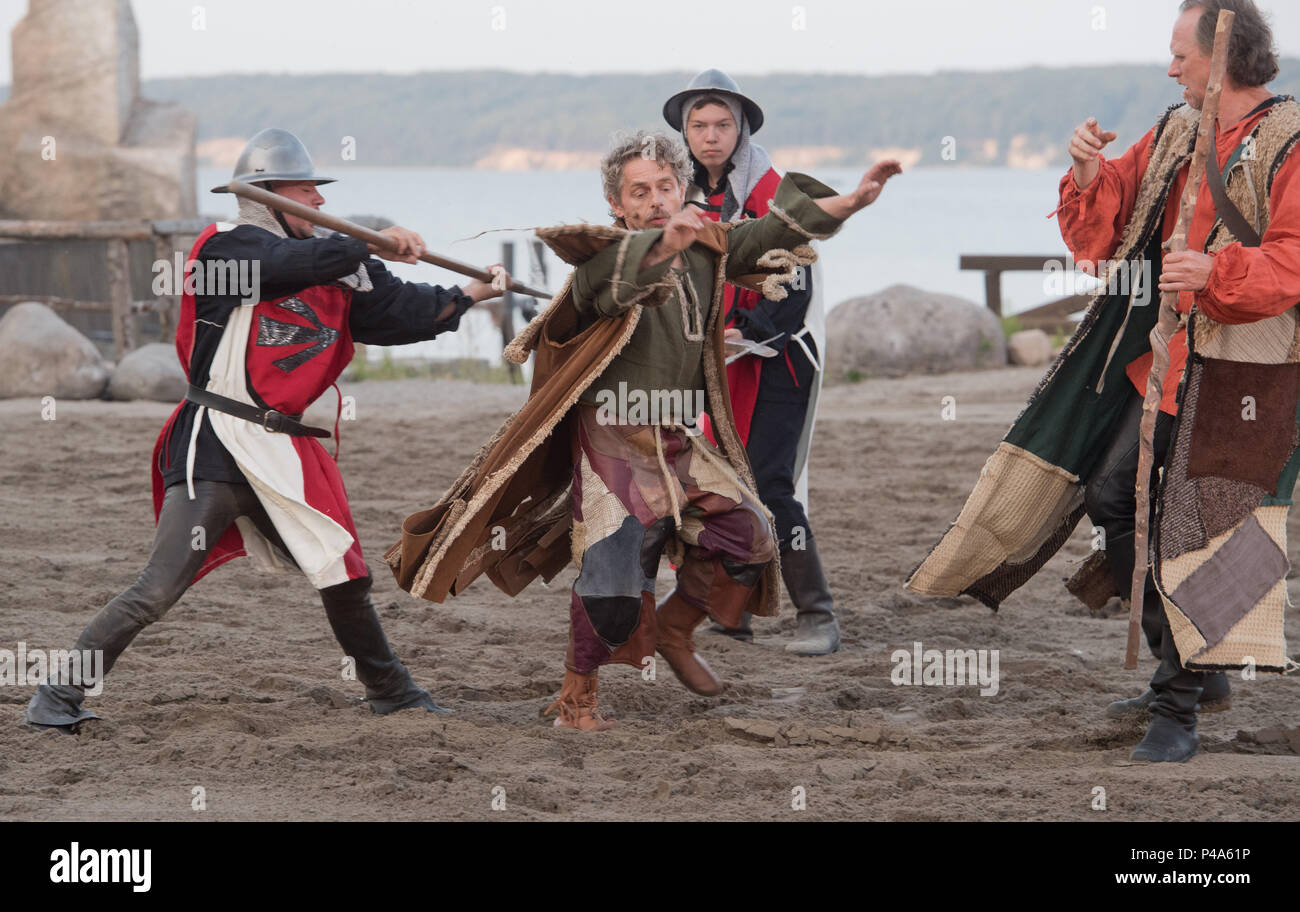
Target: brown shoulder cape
(509, 514)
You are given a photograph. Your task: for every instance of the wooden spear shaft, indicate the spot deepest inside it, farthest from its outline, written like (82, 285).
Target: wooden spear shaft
(352, 229)
(1163, 331)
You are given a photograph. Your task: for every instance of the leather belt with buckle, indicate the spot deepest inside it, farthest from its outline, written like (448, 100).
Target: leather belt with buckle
(275, 421)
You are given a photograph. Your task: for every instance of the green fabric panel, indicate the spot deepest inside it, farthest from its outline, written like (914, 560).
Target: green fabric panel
(1282, 497)
(1068, 422)
(1233, 159)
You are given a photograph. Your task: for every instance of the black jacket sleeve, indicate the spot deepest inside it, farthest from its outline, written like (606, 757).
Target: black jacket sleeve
(287, 264)
(398, 312)
(269, 266)
(768, 318)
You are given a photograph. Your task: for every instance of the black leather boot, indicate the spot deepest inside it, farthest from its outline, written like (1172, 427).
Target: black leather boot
(744, 633)
(818, 632)
(1171, 737)
(1167, 741)
(1216, 693)
(389, 686)
(1132, 706)
(1215, 697)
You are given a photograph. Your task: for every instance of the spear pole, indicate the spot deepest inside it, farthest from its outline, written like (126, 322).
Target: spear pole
(352, 229)
(1166, 325)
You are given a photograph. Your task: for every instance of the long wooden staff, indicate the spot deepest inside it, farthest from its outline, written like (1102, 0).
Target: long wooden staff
(1163, 331)
(352, 229)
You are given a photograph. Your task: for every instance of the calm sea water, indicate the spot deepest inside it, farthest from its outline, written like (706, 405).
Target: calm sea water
(913, 234)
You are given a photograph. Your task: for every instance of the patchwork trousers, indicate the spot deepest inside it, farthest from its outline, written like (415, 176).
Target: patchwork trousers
(640, 491)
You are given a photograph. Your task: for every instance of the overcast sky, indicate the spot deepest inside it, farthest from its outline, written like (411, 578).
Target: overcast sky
(584, 36)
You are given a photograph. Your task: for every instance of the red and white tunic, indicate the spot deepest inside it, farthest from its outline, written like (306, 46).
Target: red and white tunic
(283, 351)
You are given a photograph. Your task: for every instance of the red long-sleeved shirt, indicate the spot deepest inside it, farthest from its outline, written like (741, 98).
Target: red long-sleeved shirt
(1246, 283)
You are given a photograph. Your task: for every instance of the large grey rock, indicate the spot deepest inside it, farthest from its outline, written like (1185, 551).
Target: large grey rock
(1030, 347)
(904, 330)
(76, 139)
(150, 372)
(41, 355)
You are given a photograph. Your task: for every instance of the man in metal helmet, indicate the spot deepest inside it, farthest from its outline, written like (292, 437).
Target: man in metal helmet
(235, 471)
(775, 380)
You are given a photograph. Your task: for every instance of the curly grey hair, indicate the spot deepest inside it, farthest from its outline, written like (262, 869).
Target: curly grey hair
(642, 144)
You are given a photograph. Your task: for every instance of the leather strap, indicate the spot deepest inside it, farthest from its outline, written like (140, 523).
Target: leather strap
(277, 422)
(1229, 214)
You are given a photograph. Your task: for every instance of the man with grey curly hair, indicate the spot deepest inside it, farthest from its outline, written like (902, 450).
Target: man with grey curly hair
(605, 465)
(642, 144)
(646, 481)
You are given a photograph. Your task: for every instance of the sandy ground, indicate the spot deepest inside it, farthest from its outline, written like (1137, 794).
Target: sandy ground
(238, 690)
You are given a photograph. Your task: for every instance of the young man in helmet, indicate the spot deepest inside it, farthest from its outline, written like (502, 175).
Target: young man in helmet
(773, 398)
(234, 459)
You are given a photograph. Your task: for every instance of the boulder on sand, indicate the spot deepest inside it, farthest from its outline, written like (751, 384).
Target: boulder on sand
(41, 355)
(150, 372)
(904, 330)
(1030, 347)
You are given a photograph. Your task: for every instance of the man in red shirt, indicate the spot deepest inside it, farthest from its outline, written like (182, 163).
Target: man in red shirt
(1230, 283)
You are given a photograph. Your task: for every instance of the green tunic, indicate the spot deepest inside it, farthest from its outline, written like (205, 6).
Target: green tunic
(665, 351)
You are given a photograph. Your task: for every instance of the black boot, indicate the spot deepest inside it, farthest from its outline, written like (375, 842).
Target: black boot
(389, 686)
(818, 632)
(1131, 707)
(1215, 697)
(1216, 693)
(1167, 741)
(744, 633)
(1120, 558)
(1171, 737)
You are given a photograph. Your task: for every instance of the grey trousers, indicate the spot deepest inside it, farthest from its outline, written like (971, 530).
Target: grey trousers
(178, 553)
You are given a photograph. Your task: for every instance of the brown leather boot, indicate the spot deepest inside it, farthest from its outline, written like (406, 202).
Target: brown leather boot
(577, 704)
(677, 621)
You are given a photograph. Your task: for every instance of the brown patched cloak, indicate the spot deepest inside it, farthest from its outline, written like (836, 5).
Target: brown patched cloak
(509, 514)
(1218, 544)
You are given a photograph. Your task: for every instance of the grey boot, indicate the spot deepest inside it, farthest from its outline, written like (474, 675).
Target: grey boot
(58, 706)
(110, 631)
(818, 632)
(172, 564)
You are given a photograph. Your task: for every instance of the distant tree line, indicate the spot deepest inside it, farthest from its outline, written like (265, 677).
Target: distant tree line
(456, 118)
